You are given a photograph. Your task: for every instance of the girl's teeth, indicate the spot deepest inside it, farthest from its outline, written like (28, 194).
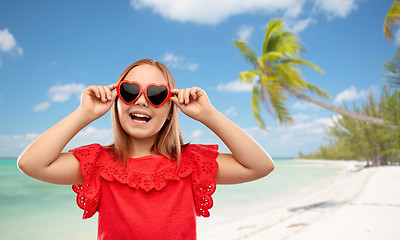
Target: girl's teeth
(140, 115)
(140, 118)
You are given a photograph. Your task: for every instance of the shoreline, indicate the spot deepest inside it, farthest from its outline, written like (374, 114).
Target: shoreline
(309, 212)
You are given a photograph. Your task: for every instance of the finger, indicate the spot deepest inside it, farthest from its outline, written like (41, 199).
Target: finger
(174, 91)
(93, 90)
(186, 95)
(174, 99)
(103, 93)
(108, 93)
(193, 92)
(180, 96)
(113, 86)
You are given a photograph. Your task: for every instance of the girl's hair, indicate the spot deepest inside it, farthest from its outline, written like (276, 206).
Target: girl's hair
(169, 140)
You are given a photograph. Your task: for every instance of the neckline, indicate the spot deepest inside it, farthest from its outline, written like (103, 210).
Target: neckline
(150, 156)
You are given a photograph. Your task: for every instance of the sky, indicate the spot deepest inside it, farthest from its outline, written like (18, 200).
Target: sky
(51, 50)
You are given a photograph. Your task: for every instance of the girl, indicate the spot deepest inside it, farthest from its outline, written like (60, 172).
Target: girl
(147, 184)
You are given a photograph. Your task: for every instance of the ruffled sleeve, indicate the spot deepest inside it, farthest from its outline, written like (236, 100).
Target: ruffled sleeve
(205, 167)
(88, 193)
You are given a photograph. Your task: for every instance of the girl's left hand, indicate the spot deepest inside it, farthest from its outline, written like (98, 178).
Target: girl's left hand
(193, 102)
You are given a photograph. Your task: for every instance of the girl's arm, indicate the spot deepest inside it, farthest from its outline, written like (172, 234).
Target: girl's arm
(43, 158)
(248, 161)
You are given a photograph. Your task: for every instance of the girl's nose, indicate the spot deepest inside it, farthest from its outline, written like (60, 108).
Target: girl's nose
(142, 101)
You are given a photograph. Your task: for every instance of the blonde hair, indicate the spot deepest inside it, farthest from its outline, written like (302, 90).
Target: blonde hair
(169, 140)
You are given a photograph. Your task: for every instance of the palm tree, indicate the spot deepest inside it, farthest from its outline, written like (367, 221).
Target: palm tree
(393, 71)
(392, 67)
(393, 16)
(275, 76)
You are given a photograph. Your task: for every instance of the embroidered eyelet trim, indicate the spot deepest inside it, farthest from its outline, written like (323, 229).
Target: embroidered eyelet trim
(89, 192)
(197, 161)
(203, 182)
(147, 182)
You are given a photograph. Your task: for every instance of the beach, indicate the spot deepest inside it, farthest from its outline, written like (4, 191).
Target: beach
(358, 204)
(300, 199)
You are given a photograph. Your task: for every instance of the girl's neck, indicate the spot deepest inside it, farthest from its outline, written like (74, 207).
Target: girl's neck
(142, 147)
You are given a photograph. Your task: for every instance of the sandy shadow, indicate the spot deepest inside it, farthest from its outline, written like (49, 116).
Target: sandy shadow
(325, 204)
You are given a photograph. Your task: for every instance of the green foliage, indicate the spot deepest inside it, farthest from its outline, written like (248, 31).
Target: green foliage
(393, 71)
(392, 67)
(354, 139)
(255, 100)
(275, 72)
(392, 17)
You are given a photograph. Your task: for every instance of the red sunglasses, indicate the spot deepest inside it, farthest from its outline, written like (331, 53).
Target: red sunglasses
(156, 94)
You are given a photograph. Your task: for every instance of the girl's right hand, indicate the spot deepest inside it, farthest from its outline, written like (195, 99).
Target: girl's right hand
(97, 100)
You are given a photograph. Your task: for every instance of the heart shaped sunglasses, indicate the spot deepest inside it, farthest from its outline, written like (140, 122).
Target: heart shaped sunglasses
(156, 94)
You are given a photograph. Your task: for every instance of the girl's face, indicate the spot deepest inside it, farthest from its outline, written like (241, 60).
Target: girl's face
(140, 120)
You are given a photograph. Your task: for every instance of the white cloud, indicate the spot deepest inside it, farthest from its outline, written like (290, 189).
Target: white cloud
(179, 62)
(244, 33)
(91, 135)
(61, 93)
(13, 145)
(303, 106)
(8, 42)
(336, 8)
(285, 138)
(9, 45)
(300, 117)
(196, 134)
(230, 112)
(305, 125)
(92, 132)
(41, 106)
(353, 94)
(235, 86)
(213, 12)
(297, 26)
(328, 121)
(306, 134)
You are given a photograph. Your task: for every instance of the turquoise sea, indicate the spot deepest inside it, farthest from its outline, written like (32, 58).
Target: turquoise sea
(30, 209)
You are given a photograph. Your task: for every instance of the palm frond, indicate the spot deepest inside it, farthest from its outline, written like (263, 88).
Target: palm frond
(247, 52)
(292, 77)
(248, 76)
(316, 90)
(392, 17)
(277, 100)
(393, 72)
(274, 25)
(289, 44)
(271, 56)
(301, 62)
(255, 106)
(288, 75)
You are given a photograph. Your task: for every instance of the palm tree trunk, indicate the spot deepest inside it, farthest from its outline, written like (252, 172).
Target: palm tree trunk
(341, 111)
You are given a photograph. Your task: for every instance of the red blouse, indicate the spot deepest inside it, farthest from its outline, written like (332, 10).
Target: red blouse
(149, 198)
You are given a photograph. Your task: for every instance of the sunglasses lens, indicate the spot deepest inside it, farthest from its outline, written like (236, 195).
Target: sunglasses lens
(157, 94)
(129, 91)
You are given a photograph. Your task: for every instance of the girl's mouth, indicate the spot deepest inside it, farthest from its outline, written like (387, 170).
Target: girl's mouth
(140, 118)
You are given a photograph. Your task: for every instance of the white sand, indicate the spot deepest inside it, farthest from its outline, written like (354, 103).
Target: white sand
(352, 205)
